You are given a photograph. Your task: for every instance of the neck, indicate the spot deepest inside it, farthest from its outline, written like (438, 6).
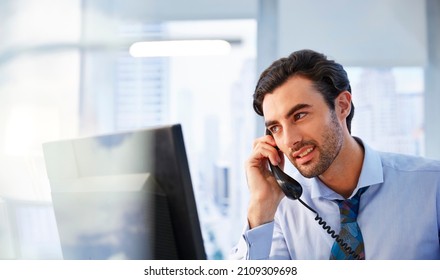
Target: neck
(343, 175)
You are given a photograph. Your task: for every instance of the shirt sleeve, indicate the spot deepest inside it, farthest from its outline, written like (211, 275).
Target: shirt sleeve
(260, 243)
(254, 244)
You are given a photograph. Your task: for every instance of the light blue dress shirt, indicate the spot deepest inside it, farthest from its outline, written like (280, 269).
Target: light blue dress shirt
(399, 215)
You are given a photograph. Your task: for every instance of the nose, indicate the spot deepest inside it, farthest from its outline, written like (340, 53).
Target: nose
(291, 137)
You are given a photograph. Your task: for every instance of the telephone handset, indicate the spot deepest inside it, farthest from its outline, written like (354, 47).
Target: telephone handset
(293, 190)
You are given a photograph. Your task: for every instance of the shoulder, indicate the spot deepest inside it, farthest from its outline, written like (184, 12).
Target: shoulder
(410, 178)
(398, 161)
(409, 163)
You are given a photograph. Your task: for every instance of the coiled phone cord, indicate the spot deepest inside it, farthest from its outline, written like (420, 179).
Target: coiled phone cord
(330, 231)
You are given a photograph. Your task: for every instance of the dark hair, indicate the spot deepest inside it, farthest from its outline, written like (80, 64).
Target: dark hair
(328, 77)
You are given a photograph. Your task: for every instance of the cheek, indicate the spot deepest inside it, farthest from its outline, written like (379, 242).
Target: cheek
(329, 120)
(315, 129)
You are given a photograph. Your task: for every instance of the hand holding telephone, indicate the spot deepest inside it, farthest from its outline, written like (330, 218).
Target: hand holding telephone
(293, 190)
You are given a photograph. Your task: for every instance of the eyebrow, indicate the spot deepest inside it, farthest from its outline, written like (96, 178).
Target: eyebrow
(292, 111)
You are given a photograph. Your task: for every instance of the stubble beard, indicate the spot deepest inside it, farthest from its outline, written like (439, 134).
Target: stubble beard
(328, 151)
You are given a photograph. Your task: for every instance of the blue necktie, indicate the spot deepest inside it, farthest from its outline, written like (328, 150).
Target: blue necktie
(350, 232)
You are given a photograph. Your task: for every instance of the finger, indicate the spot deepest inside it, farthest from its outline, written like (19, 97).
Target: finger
(268, 139)
(264, 151)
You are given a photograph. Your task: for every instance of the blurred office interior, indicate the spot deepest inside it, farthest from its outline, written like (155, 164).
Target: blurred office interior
(66, 72)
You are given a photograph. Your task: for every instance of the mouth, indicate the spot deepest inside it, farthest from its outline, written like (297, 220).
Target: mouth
(303, 152)
(306, 152)
(304, 155)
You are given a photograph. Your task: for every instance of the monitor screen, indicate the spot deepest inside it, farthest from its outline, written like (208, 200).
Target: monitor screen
(124, 196)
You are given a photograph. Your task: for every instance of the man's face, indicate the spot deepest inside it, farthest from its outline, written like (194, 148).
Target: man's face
(303, 126)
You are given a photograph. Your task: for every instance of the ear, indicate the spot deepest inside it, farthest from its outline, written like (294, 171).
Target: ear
(343, 104)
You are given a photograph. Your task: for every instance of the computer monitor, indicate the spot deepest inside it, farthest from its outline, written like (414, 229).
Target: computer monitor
(125, 196)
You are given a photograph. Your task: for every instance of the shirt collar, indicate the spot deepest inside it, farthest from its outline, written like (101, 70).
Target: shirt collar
(371, 174)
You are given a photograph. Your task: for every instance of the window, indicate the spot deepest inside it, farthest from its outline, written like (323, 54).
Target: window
(389, 108)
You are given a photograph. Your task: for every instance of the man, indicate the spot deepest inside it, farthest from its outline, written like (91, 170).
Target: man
(307, 106)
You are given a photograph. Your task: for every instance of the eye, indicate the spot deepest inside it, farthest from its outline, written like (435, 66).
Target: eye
(274, 129)
(299, 116)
